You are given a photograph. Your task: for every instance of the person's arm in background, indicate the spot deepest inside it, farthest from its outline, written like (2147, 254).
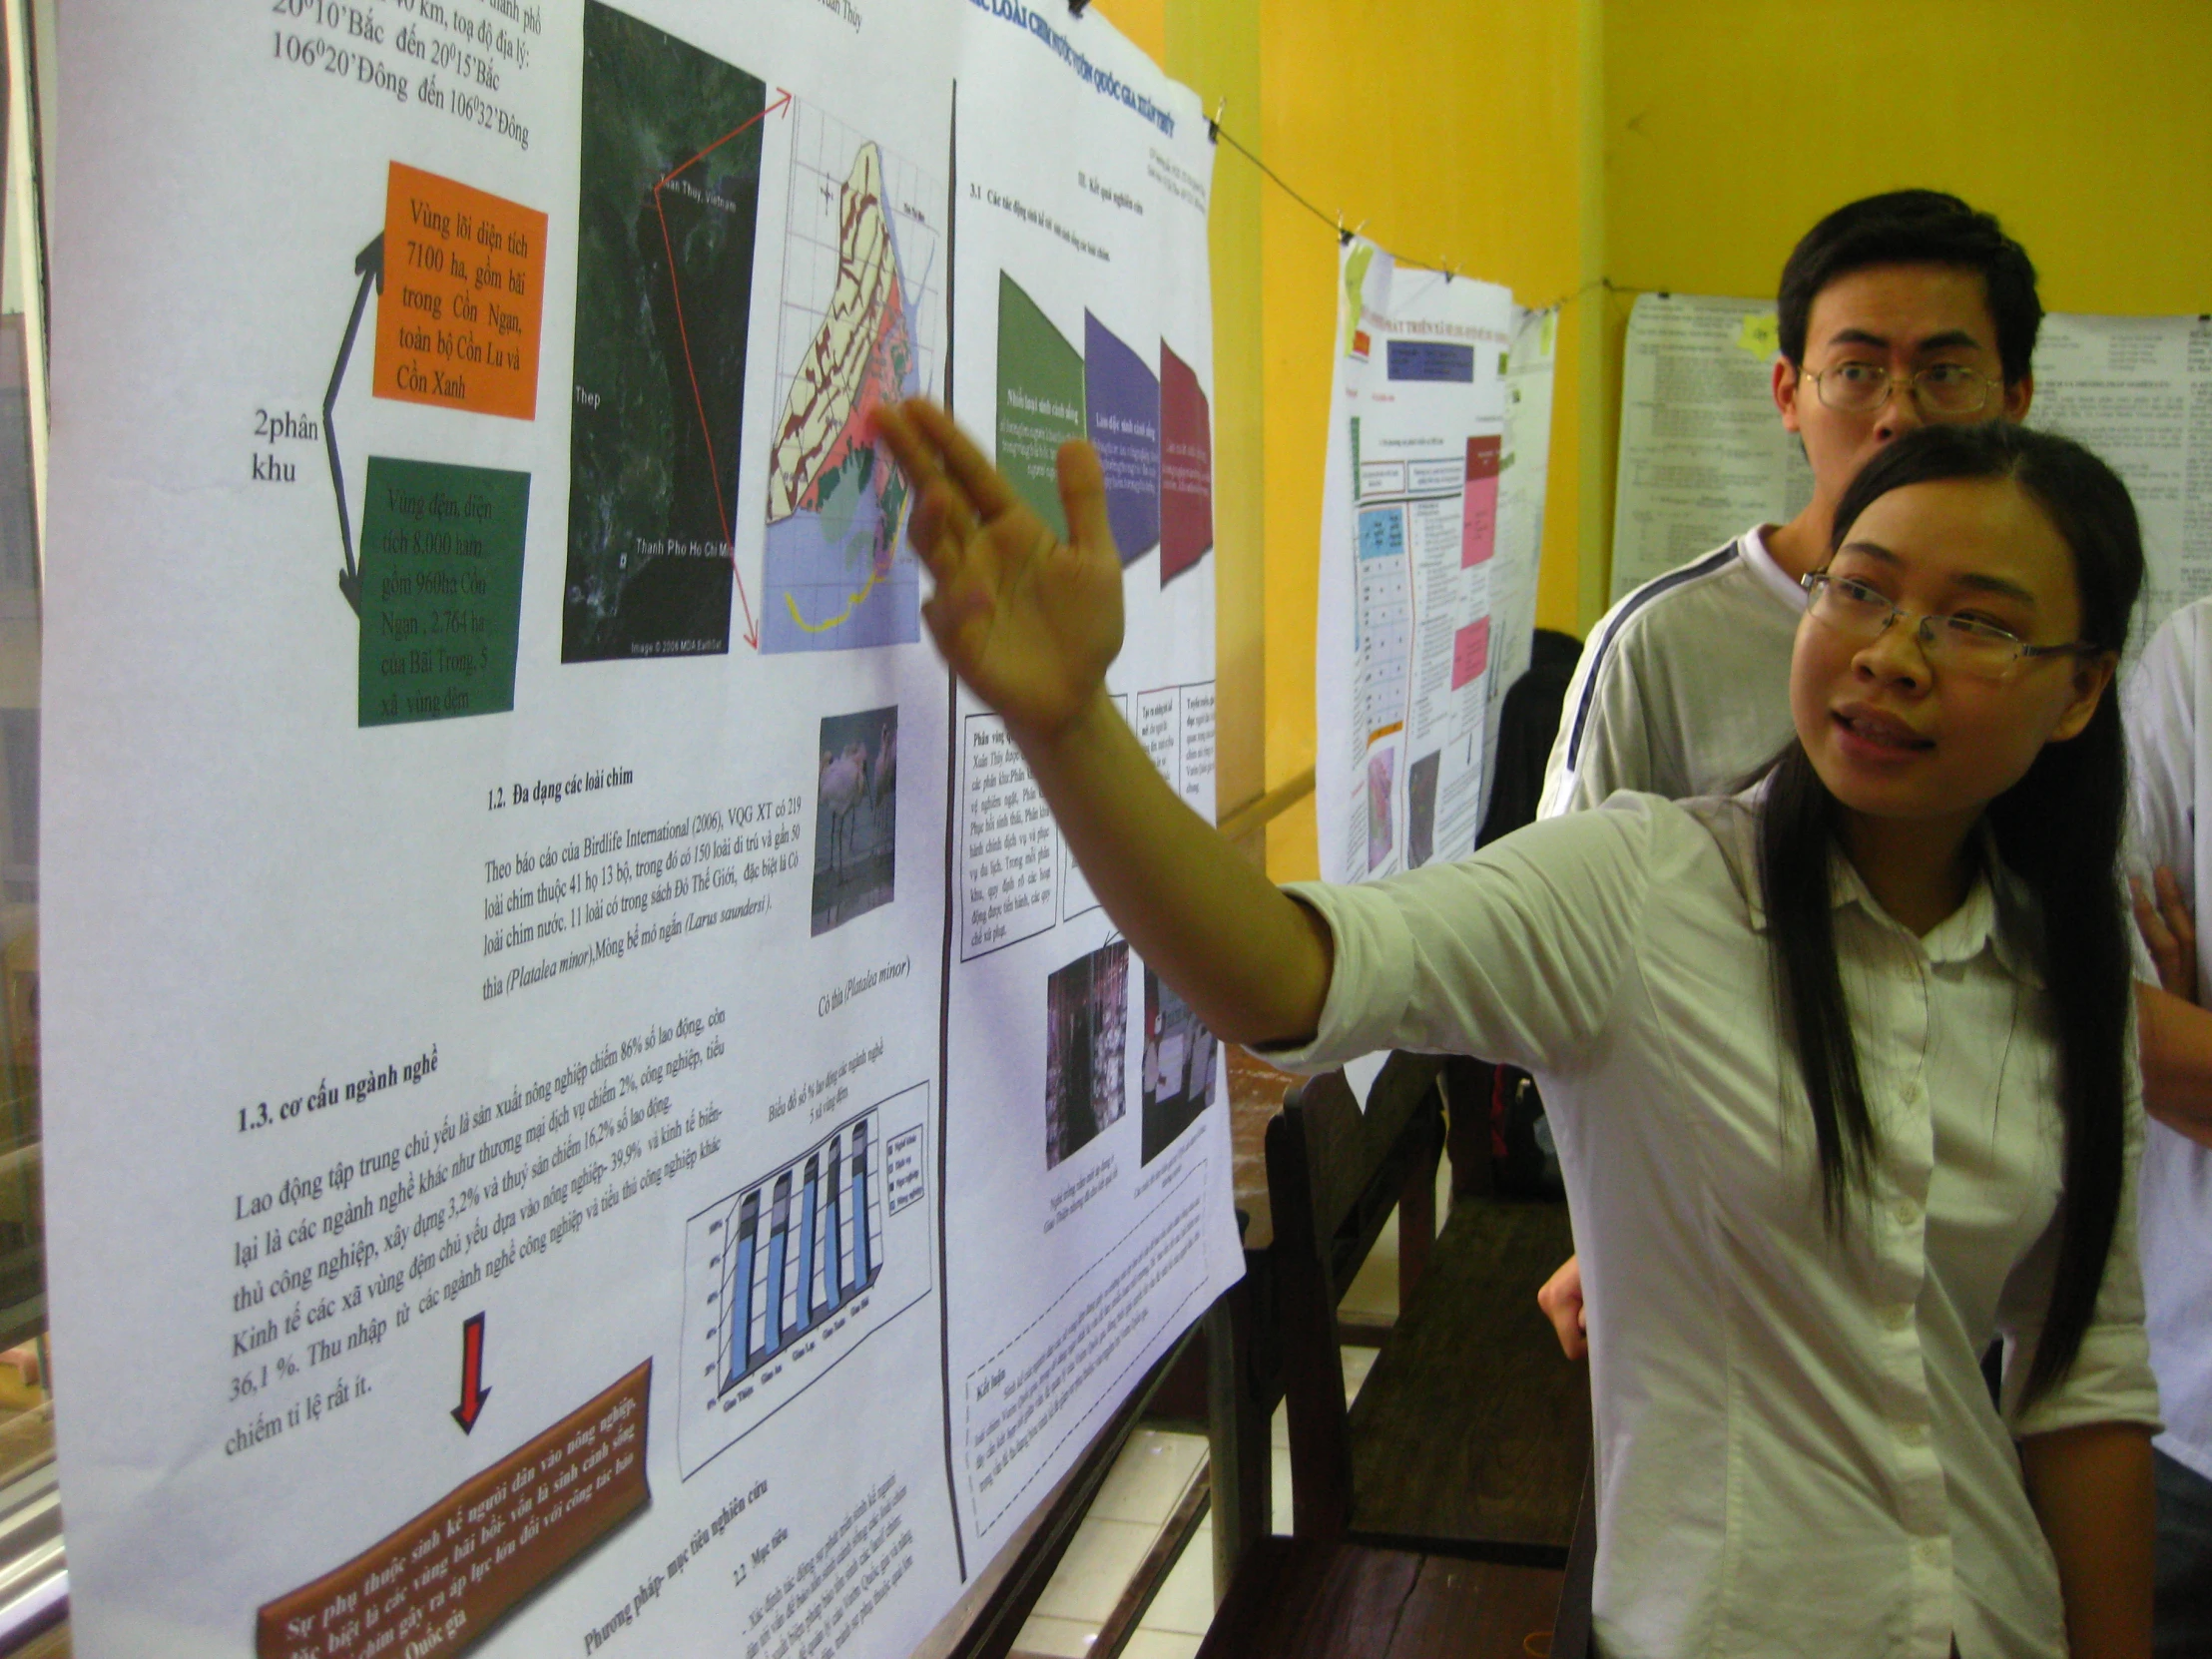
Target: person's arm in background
(2169, 930)
(1030, 622)
(1561, 1300)
(2091, 1489)
(2174, 1033)
(2175, 1038)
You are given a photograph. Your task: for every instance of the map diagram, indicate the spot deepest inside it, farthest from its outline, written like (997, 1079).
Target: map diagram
(859, 326)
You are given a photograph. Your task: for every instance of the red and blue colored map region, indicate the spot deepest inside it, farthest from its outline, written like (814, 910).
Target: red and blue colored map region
(1122, 396)
(1186, 468)
(834, 575)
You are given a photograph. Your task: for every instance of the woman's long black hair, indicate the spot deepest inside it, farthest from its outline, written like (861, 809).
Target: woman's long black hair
(2058, 829)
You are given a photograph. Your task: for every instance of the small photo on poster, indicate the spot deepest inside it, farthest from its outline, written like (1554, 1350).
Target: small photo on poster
(1382, 773)
(1177, 1066)
(1420, 809)
(1086, 1026)
(856, 816)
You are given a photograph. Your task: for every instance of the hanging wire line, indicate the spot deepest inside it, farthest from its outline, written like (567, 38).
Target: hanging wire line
(1221, 134)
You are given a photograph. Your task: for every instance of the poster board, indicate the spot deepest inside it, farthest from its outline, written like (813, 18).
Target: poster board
(526, 1175)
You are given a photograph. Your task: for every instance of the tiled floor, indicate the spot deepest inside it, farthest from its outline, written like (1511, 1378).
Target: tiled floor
(1140, 1494)
(1130, 1512)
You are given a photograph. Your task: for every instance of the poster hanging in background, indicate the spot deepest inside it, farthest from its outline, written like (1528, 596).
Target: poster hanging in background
(2138, 390)
(1426, 553)
(520, 1178)
(1704, 455)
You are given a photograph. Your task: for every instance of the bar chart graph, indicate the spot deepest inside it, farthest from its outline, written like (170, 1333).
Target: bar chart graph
(812, 1256)
(788, 1275)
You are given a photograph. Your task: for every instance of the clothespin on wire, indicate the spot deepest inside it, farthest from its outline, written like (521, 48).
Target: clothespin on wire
(1212, 122)
(1075, 7)
(1344, 237)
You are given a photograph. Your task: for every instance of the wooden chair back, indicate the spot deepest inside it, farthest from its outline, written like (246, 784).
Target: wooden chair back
(1334, 1173)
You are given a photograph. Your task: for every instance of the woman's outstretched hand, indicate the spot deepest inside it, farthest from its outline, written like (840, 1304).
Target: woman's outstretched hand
(1028, 621)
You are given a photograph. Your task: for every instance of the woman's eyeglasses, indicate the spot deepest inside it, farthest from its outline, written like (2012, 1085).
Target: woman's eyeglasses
(1961, 644)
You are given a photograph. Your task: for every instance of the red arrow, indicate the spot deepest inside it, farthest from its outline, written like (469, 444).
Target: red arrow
(473, 1392)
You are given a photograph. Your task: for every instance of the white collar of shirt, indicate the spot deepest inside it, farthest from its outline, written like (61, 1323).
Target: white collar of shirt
(1995, 914)
(1772, 576)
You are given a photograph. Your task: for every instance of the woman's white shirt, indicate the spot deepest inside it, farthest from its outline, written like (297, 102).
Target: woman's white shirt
(1796, 1451)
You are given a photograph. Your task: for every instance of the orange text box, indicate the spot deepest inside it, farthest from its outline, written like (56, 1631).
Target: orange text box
(444, 1580)
(464, 296)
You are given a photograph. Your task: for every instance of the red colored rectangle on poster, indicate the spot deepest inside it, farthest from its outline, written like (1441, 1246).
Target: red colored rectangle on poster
(1478, 513)
(1186, 468)
(1471, 652)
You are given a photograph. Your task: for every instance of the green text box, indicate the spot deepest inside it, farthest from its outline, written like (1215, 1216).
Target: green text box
(442, 590)
(1040, 400)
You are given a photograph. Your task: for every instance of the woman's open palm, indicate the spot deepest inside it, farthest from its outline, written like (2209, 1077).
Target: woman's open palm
(1027, 621)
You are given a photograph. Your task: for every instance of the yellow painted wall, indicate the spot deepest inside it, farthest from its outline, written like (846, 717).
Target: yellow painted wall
(1144, 22)
(2087, 128)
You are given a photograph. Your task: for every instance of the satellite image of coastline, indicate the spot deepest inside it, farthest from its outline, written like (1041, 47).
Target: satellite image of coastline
(859, 303)
(669, 191)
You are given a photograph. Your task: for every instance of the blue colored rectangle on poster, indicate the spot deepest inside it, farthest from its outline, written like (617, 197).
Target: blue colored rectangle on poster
(1422, 360)
(1381, 533)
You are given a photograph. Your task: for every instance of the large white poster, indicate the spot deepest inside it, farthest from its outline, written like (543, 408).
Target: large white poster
(1426, 554)
(1703, 454)
(523, 1161)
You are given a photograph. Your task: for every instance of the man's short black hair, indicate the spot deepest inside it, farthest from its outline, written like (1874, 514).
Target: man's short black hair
(1915, 227)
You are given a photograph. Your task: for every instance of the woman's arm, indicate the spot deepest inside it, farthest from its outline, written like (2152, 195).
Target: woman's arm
(2091, 1489)
(1252, 962)
(1030, 624)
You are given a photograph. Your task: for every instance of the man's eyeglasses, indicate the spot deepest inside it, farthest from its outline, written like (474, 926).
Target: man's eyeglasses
(1958, 644)
(1939, 389)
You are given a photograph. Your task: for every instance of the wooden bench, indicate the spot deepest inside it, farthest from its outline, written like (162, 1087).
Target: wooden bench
(1472, 1431)
(1473, 1425)
(1308, 1598)
(1435, 1517)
